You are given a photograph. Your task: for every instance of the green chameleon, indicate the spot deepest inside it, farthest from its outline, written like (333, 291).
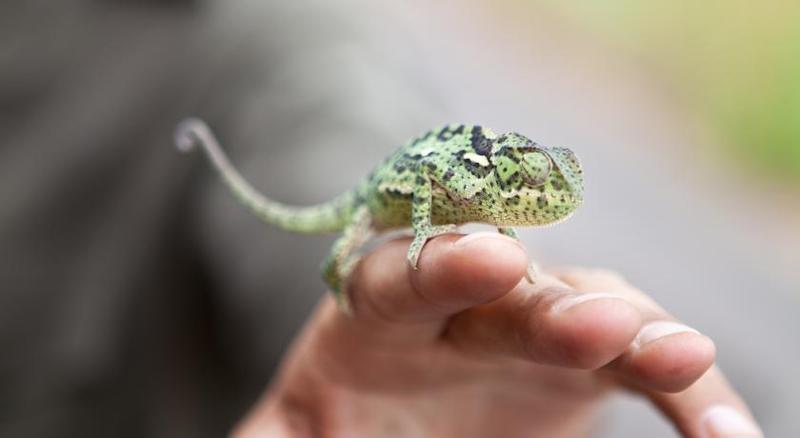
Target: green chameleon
(448, 176)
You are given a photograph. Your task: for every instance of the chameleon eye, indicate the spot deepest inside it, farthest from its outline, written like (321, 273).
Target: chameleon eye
(536, 167)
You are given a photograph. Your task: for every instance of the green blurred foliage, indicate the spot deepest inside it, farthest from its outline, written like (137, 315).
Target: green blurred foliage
(737, 61)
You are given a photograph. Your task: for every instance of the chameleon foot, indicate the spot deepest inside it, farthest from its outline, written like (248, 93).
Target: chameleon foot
(336, 277)
(533, 270)
(421, 237)
(532, 273)
(342, 260)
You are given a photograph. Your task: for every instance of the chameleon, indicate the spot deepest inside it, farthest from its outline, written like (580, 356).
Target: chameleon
(448, 176)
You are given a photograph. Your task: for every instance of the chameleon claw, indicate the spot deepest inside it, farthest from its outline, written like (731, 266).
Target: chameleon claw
(529, 278)
(413, 258)
(531, 273)
(343, 303)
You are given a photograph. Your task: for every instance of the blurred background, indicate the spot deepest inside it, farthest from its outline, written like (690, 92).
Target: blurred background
(138, 299)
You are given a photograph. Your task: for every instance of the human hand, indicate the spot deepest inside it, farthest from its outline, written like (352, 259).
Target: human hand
(462, 347)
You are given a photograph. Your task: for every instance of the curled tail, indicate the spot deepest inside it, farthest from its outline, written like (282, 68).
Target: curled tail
(327, 217)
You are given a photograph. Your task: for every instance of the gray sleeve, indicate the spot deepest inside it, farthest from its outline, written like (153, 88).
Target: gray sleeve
(137, 298)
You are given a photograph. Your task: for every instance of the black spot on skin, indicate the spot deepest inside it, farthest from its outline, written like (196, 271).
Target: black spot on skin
(431, 166)
(541, 201)
(505, 184)
(476, 169)
(399, 167)
(394, 193)
(448, 175)
(508, 152)
(422, 138)
(420, 180)
(458, 130)
(480, 144)
(516, 180)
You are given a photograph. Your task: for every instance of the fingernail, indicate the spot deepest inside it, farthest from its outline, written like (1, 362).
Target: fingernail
(725, 421)
(659, 329)
(469, 238)
(573, 300)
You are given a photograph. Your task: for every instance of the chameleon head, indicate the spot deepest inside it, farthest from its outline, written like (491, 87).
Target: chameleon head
(538, 184)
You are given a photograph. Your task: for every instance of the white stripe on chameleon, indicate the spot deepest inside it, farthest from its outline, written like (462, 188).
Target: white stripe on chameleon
(480, 160)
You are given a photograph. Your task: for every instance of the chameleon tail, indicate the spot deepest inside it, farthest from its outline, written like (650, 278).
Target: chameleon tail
(327, 217)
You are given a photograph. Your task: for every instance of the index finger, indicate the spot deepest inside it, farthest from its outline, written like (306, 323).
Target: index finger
(456, 272)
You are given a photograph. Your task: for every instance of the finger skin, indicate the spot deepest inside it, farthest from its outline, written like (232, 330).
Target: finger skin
(455, 273)
(398, 308)
(405, 348)
(670, 363)
(675, 371)
(530, 323)
(691, 410)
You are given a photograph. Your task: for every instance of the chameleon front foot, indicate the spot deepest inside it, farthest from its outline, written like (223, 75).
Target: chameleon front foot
(421, 237)
(532, 273)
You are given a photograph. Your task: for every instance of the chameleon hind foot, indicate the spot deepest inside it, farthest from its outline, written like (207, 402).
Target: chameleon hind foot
(336, 275)
(421, 237)
(341, 261)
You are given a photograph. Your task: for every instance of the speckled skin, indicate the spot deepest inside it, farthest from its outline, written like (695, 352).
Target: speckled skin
(448, 176)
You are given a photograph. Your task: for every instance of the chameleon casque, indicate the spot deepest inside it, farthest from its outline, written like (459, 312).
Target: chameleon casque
(448, 176)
